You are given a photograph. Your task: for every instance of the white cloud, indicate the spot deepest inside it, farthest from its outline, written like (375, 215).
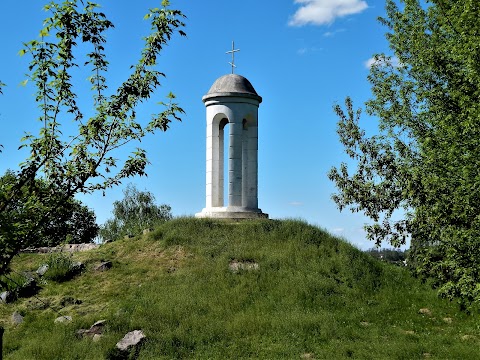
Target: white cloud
(321, 12)
(305, 50)
(296, 203)
(338, 230)
(382, 61)
(333, 33)
(302, 51)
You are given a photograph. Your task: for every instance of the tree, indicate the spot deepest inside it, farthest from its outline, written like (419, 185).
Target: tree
(86, 160)
(68, 222)
(426, 157)
(134, 213)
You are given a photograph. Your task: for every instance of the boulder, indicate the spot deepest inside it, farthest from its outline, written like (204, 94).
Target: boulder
(95, 329)
(17, 319)
(103, 266)
(7, 297)
(425, 311)
(130, 340)
(98, 327)
(29, 288)
(78, 266)
(63, 319)
(307, 356)
(42, 270)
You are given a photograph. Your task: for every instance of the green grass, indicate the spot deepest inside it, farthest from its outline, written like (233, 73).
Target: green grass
(312, 294)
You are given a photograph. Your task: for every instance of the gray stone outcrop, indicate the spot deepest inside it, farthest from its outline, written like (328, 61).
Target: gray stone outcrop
(62, 248)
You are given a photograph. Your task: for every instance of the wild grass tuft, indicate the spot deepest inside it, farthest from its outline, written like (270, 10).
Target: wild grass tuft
(61, 267)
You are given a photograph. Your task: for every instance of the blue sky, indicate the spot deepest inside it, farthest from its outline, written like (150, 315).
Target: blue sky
(302, 56)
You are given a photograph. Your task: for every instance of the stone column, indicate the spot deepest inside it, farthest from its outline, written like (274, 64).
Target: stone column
(212, 162)
(252, 165)
(221, 162)
(235, 163)
(245, 184)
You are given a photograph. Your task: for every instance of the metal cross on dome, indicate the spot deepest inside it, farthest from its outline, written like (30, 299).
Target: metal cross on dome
(233, 51)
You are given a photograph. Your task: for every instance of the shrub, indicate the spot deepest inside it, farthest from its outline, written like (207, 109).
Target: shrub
(61, 267)
(136, 212)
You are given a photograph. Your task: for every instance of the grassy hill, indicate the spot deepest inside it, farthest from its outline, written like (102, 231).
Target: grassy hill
(301, 294)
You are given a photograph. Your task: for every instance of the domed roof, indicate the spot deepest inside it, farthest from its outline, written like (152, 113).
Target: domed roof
(232, 85)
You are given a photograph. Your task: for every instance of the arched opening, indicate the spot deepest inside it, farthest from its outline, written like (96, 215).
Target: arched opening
(245, 177)
(223, 160)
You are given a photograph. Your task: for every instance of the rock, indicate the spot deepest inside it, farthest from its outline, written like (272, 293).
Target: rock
(236, 266)
(103, 266)
(97, 337)
(81, 332)
(63, 319)
(17, 319)
(42, 270)
(68, 300)
(448, 320)
(307, 356)
(28, 275)
(131, 339)
(64, 248)
(78, 247)
(425, 311)
(7, 297)
(98, 327)
(39, 250)
(78, 266)
(95, 329)
(468, 337)
(29, 288)
(146, 231)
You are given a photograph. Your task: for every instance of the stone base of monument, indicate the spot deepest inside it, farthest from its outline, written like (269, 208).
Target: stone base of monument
(231, 212)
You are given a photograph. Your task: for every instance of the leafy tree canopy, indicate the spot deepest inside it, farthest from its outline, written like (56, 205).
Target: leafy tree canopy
(85, 161)
(426, 157)
(66, 222)
(134, 213)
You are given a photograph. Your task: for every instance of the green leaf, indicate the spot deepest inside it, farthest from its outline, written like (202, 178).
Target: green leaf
(44, 33)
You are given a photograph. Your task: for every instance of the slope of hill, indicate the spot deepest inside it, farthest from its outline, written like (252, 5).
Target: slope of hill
(261, 290)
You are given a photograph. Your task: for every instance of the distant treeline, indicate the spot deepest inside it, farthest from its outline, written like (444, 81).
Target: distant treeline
(394, 256)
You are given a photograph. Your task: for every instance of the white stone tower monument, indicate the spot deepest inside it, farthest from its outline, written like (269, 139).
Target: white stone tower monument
(232, 102)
